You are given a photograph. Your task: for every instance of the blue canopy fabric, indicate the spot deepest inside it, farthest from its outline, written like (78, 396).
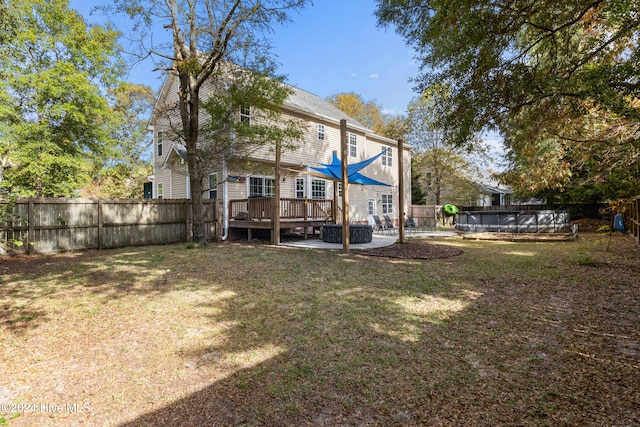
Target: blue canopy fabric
(333, 171)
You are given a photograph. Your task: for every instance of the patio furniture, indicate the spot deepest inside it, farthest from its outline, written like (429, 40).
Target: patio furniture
(410, 224)
(388, 223)
(379, 226)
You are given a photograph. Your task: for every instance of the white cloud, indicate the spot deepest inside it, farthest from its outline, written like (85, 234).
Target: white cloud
(374, 76)
(354, 74)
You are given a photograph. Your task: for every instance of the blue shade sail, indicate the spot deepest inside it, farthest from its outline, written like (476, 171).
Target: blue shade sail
(333, 171)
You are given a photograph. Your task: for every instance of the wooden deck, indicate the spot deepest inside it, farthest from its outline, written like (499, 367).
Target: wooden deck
(256, 214)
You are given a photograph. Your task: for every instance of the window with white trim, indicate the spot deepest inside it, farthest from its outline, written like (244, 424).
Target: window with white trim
(300, 193)
(352, 141)
(213, 186)
(318, 189)
(387, 157)
(159, 190)
(320, 132)
(261, 187)
(245, 114)
(387, 204)
(159, 141)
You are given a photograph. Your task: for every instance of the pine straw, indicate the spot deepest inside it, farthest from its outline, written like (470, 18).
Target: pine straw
(503, 334)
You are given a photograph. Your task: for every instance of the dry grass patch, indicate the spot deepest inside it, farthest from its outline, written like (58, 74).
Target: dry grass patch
(505, 333)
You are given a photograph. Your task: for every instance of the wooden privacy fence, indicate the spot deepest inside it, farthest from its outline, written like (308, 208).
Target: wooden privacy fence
(44, 225)
(429, 216)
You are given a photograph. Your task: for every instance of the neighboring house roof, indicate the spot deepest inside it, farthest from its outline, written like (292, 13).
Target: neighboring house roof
(490, 184)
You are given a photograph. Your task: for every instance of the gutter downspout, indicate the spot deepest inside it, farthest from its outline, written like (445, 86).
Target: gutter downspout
(225, 202)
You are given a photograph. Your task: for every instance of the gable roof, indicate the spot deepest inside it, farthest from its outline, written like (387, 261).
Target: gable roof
(298, 100)
(179, 149)
(301, 100)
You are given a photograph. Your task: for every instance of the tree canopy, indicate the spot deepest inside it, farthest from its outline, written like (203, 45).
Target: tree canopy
(57, 80)
(559, 81)
(370, 114)
(443, 172)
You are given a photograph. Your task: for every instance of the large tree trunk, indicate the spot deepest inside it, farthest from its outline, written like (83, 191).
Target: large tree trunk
(189, 112)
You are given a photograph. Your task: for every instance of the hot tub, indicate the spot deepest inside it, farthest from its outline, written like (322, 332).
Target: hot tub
(541, 221)
(358, 233)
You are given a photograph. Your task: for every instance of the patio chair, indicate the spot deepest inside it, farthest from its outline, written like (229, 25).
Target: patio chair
(378, 224)
(410, 224)
(388, 223)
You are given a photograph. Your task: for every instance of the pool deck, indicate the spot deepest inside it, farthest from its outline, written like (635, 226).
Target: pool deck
(379, 240)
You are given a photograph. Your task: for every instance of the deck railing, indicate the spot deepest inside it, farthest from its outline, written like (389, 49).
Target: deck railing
(261, 208)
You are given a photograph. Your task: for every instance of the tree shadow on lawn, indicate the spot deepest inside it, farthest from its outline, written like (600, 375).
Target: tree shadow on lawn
(112, 275)
(318, 338)
(371, 352)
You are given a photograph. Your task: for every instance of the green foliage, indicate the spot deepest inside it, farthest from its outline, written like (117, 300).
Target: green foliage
(442, 171)
(558, 80)
(55, 121)
(129, 164)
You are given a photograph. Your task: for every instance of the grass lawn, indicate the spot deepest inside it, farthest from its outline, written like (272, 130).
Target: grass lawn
(235, 334)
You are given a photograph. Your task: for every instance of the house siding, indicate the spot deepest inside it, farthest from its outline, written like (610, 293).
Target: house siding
(171, 170)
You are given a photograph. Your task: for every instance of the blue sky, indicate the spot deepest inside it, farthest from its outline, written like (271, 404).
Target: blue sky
(330, 47)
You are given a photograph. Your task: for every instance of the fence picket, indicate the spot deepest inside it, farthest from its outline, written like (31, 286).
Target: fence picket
(47, 225)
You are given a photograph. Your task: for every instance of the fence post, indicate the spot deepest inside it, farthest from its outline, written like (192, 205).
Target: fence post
(100, 225)
(30, 227)
(186, 220)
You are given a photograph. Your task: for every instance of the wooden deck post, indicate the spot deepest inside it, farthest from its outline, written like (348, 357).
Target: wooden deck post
(345, 188)
(275, 217)
(401, 188)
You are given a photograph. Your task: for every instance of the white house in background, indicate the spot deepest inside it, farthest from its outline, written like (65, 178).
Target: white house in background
(493, 193)
(228, 181)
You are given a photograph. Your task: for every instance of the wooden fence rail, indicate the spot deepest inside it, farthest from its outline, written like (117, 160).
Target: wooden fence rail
(45, 225)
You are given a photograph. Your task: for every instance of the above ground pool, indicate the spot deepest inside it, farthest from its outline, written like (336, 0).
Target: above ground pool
(543, 221)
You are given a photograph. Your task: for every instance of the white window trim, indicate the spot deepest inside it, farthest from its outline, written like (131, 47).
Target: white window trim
(353, 145)
(244, 115)
(387, 157)
(304, 187)
(159, 143)
(322, 134)
(159, 190)
(209, 184)
(325, 188)
(263, 177)
(387, 207)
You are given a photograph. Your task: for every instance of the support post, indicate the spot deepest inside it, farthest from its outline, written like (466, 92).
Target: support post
(401, 188)
(345, 187)
(100, 226)
(275, 217)
(31, 235)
